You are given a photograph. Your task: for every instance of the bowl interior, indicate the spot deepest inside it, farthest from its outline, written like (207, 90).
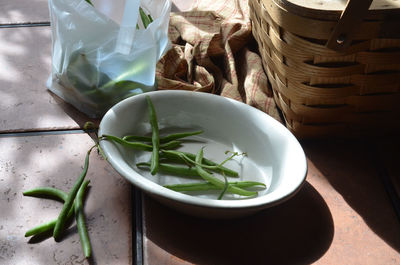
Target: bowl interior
(274, 156)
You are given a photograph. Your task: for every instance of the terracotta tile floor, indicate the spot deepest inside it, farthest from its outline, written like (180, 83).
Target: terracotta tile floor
(342, 215)
(21, 11)
(28, 162)
(26, 103)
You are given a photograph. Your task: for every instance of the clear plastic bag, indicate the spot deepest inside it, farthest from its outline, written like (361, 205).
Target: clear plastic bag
(100, 57)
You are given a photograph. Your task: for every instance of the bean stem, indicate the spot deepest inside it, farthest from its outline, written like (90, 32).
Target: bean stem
(204, 186)
(70, 199)
(164, 139)
(155, 138)
(80, 221)
(217, 182)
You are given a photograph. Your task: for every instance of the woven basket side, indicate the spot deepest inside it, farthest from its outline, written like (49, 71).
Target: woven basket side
(320, 90)
(318, 29)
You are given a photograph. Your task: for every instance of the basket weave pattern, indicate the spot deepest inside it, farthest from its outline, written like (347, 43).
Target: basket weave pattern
(321, 91)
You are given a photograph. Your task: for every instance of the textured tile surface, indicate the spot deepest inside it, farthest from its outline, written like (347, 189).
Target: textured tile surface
(56, 161)
(22, 11)
(367, 230)
(341, 216)
(25, 63)
(25, 102)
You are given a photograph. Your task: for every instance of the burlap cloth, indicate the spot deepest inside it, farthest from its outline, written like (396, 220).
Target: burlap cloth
(213, 51)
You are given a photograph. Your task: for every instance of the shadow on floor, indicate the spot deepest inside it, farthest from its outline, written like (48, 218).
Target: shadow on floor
(351, 168)
(298, 231)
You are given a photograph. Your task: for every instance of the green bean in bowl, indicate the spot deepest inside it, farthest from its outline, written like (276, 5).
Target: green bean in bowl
(202, 154)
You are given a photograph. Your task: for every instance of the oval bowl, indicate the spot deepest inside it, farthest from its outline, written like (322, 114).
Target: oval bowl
(273, 154)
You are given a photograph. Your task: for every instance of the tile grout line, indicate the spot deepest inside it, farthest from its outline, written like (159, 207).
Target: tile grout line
(26, 24)
(137, 227)
(40, 132)
(137, 234)
(137, 196)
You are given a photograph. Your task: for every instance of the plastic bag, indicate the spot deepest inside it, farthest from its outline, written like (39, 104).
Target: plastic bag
(98, 60)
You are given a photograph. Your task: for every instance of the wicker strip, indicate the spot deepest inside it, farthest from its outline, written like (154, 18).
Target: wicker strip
(325, 92)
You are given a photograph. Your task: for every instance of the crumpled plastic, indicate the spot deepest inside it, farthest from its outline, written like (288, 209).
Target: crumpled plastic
(97, 60)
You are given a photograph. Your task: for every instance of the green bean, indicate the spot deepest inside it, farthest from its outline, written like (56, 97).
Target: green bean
(226, 185)
(145, 19)
(172, 169)
(155, 138)
(167, 138)
(135, 145)
(135, 138)
(170, 145)
(80, 221)
(100, 151)
(176, 136)
(191, 162)
(226, 180)
(204, 186)
(45, 226)
(217, 182)
(70, 199)
(47, 191)
(172, 154)
(139, 145)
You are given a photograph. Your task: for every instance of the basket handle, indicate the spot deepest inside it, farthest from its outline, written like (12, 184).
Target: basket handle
(352, 16)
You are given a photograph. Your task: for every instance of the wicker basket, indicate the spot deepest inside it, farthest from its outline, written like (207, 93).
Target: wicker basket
(331, 75)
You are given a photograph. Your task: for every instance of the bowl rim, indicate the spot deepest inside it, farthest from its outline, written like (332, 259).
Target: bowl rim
(153, 188)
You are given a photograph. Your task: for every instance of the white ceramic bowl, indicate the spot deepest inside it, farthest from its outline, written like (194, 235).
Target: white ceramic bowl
(274, 156)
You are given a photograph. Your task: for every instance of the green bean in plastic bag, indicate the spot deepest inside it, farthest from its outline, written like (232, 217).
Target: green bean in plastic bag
(98, 61)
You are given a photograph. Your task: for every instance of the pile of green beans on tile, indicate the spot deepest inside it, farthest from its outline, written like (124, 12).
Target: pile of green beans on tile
(73, 205)
(163, 152)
